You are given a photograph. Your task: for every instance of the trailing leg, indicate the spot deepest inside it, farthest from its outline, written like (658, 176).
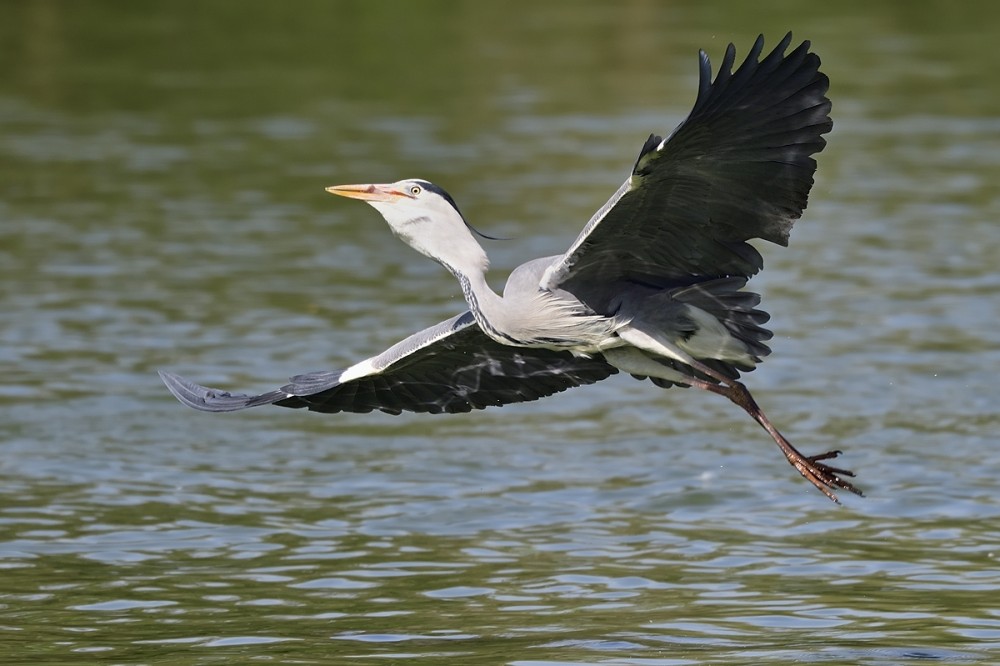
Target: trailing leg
(823, 476)
(637, 360)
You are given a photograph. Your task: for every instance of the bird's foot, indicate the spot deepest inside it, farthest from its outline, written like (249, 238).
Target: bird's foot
(823, 476)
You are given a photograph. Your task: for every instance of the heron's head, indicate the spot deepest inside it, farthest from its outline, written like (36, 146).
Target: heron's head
(424, 216)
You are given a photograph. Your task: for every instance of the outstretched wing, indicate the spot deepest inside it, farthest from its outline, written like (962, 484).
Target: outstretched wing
(738, 167)
(451, 367)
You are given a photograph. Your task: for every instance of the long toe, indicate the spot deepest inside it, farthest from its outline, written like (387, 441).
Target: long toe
(826, 478)
(832, 477)
(827, 455)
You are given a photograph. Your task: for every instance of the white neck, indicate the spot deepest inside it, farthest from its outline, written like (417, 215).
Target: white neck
(485, 304)
(444, 237)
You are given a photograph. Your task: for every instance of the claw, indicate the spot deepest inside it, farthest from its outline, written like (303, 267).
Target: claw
(824, 477)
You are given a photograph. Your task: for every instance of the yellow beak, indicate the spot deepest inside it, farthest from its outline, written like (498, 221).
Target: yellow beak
(368, 192)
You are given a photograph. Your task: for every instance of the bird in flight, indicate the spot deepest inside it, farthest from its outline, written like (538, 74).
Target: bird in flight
(653, 285)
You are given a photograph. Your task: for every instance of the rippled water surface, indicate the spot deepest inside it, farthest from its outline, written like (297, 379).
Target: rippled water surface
(161, 206)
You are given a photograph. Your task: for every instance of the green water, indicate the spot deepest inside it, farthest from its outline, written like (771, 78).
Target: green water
(161, 206)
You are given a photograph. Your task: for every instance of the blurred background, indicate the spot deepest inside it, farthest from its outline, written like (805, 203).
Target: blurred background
(162, 168)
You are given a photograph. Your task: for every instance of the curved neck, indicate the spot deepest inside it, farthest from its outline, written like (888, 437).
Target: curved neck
(453, 247)
(485, 304)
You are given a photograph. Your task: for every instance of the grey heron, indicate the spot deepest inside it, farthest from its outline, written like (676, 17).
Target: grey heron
(653, 286)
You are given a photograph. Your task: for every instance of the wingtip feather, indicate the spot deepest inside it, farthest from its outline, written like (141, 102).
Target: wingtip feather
(207, 399)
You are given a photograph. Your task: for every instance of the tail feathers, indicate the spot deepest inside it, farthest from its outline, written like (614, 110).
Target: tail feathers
(735, 309)
(724, 329)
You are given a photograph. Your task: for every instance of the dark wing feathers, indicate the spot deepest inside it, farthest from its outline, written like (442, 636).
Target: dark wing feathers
(738, 167)
(451, 367)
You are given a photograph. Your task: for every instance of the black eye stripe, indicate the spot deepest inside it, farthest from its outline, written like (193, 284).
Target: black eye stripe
(431, 187)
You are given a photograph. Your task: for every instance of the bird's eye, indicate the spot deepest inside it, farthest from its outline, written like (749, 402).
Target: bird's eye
(415, 190)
